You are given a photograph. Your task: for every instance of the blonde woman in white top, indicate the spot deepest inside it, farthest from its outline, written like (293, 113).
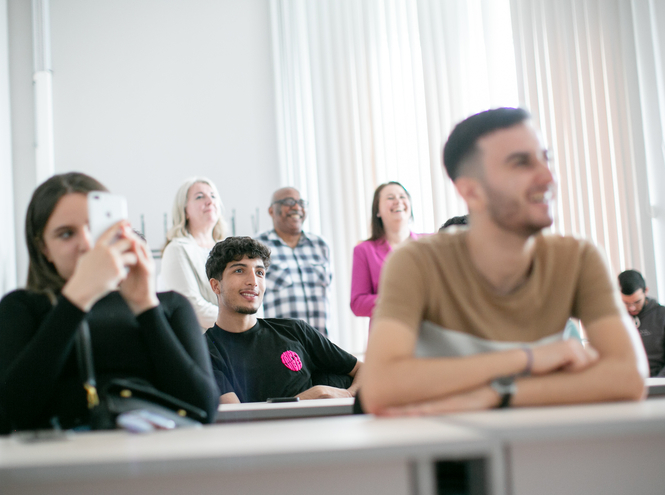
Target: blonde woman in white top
(197, 225)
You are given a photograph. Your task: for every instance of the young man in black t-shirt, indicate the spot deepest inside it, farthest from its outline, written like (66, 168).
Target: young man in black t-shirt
(255, 359)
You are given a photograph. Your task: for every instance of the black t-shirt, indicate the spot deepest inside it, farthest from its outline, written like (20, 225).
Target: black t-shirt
(39, 375)
(277, 357)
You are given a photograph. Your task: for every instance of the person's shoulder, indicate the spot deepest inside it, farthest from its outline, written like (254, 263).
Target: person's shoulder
(24, 297)
(179, 244)
(212, 332)
(653, 305)
(365, 246)
(291, 326)
(266, 235)
(565, 245)
(315, 238)
(172, 299)
(434, 243)
(281, 323)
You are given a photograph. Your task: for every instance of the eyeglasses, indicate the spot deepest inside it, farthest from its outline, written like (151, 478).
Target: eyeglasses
(291, 202)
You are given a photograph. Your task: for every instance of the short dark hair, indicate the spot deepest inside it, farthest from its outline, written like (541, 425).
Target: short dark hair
(234, 249)
(461, 144)
(460, 220)
(42, 275)
(631, 281)
(378, 230)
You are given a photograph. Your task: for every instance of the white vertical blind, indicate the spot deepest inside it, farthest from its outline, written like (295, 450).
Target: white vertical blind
(576, 61)
(367, 92)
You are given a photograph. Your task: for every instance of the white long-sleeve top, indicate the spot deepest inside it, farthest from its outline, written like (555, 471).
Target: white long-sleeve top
(183, 270)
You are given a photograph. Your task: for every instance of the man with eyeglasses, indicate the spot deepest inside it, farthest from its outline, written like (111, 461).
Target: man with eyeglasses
(649, 317)
(299, 278)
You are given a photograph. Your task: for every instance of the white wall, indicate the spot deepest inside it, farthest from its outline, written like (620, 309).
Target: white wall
(22, 123)
(148, 93)
(7, 246)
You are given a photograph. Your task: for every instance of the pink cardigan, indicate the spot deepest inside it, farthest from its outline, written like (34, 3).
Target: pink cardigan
(368, 259)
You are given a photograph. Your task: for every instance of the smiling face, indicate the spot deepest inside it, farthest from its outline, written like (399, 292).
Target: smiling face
(242, 285)
(66, 234)
(394, 204)
(202, 208)
(287, 219)
(517, 182)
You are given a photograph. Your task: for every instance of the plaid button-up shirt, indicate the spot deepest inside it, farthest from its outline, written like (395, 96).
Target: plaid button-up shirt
(298, 279)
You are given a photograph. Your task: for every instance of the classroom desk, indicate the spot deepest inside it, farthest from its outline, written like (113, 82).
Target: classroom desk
(253, 411)
(655, 386)
(349, 455)
(613, 448)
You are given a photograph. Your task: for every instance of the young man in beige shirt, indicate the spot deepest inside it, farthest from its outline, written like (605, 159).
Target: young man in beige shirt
(473, 319)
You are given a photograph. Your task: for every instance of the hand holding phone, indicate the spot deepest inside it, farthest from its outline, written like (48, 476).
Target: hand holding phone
(104, 211)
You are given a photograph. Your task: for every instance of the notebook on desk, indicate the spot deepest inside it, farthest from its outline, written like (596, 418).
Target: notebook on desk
(254, 411)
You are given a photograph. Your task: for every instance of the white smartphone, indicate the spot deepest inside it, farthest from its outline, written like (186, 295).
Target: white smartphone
(104, 210)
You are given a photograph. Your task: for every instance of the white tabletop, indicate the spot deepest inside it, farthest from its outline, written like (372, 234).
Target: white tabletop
(234, 446)
(605, 419)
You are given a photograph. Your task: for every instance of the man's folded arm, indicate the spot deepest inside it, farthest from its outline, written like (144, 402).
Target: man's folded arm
(393, 376)
(565, 372)
(618, 374)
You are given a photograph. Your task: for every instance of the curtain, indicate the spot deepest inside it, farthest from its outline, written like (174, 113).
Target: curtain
(367, 91)
(578, 74)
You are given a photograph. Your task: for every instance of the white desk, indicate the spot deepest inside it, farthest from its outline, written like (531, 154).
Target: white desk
(655, 387)
(252, 411)
(592, 449)
(613, 448)
(340, 455)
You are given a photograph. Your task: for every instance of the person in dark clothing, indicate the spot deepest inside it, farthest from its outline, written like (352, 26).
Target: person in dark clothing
(254, 359)
(460, 220)
(135, 332)
(649, 317)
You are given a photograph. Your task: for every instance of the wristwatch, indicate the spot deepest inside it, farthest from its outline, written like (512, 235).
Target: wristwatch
(506, 388)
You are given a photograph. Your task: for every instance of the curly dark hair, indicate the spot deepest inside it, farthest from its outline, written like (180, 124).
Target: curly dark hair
(234, 249)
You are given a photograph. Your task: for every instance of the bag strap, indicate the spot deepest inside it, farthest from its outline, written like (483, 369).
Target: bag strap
(86, 364)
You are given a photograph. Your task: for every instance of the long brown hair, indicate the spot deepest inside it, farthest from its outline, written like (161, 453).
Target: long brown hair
(378, 231)
(42, 275)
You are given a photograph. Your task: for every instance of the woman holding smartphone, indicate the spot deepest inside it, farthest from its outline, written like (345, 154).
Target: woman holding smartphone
(135, 333)
(197, 226)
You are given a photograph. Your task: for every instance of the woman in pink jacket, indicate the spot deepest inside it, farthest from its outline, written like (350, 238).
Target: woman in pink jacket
(391, 219)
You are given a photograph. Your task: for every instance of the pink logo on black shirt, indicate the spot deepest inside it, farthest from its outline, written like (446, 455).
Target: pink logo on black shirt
(291, 360)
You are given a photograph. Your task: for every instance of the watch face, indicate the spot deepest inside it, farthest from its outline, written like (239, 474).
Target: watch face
(504, 385)
(504, 381)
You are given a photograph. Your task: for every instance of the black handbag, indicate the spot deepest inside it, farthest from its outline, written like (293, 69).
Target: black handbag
(128, 403)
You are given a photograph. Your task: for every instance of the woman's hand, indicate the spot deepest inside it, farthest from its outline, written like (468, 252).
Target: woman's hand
(100, 270)
(138, 289)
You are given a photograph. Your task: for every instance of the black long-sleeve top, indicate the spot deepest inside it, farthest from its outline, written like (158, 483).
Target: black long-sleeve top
(39, 375)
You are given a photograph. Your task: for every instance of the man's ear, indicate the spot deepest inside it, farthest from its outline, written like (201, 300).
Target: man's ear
(646, 290)
(215, 286)
(472, 192)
